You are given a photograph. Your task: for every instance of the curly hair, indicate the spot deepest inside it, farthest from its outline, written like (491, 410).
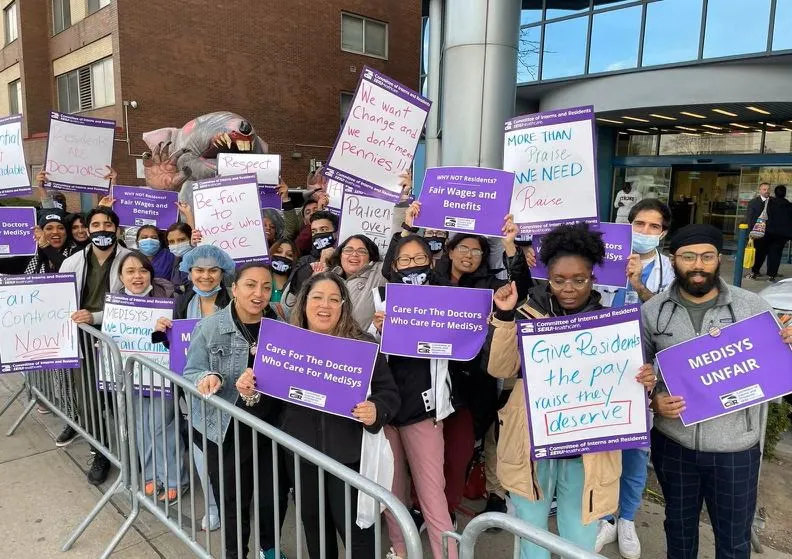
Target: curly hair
(572, 240)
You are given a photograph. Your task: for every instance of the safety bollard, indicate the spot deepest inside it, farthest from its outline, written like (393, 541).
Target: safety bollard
(742, 241)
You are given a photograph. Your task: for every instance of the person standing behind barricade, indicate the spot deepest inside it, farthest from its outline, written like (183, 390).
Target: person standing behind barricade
(222, 351)
(324, 306)
(585, 486)
(283, 255)
(178, 236)
(77, 231)
(314, 202)
(154, 244)
(281, 225)
(96, 268)
(207, 267)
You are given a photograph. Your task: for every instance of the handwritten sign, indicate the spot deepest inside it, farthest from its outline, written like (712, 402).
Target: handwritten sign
(36, 329)
(368, 216)
(335, 192)
(555, 173)
(465, 199)
(430, 322)
(130, 320)
(14, 179)
(16, 231)
(265, 166)
(228, 215)
(744, 365)
(579, 380)
(179, 340)
(137, 206)
(312, 370)
(378, 140)
(79, 150)
(618, 247)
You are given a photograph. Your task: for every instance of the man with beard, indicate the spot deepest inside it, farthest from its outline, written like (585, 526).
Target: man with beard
(716, 461)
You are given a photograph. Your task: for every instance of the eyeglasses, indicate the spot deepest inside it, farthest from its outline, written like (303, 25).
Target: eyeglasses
(349, 251)
(691, 257)
(334, 302)
(578, 284)
(464, 251)
(419, 260)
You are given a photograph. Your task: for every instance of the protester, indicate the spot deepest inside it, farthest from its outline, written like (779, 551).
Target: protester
(437, 240)
(219, 360)
(754, 210)
(324, 305)
(715, 462)
(178, 236)
(152, 243)
(52, 240)
(779, 230)
(625, 200)
(283, 255)
(281, 225)
(77, 231)
(314, 202)
(585, 486)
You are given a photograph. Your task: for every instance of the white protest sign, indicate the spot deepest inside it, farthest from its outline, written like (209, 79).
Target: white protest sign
(266, 166)
(552, 157)
(79, 152)
(228, 215)
(335, 192)
(36, 329)
(378, 139)
(14, 179)
(368, 216)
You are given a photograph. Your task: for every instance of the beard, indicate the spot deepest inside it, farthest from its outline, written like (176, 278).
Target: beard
(697, 289)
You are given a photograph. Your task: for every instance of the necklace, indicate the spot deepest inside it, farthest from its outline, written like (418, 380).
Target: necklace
(249, 338)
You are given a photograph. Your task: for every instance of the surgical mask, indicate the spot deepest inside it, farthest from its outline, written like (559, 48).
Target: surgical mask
(321, 241)
(641, 244)
(209, 293)
(103, 239)
(148, 290)
(149, 247)
(416, 275)
(180, 249)
(436, 244)
(281, 265)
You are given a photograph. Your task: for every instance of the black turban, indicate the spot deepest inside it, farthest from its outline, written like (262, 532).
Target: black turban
(695, 234)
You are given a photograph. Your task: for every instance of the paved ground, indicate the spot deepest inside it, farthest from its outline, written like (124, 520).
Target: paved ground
(44, 496)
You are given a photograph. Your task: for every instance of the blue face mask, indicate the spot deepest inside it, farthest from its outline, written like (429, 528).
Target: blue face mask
(641, 244)
(180, 249)
(149, 247)
(202, 293)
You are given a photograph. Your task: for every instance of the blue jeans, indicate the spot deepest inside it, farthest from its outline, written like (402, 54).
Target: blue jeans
(565, 479)
(635, 462)
(159, 441)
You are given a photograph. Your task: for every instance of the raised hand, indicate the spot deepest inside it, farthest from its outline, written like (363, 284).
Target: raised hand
(505, 298)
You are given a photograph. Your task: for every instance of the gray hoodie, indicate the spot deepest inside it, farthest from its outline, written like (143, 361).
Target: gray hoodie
(666, 323)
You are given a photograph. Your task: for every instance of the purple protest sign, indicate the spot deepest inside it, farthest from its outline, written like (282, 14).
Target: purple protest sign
(553, 158)
(79, 152)
(179, 341)
(732, 368)
(269, 197)
(16, 231)
(137, 206)
(377, 141)
(431, 322)
(579, 381)
(14, 179)
(318, 371)
(36, 329)
(465, 199)
(618, 247)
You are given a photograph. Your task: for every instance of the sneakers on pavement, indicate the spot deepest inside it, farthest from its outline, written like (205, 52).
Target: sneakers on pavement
(212, 521)
(494, 504)
(100, 468)
(629, 545)
(606, 533)
(418, 518)
(66, 437)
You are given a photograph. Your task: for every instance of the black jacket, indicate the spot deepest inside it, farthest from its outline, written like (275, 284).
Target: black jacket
(755, 207)
(779, 218)
(340, 437)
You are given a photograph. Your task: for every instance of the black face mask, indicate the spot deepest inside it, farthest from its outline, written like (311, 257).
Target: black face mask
(416, 275)
(321, 241)
(281, 265)
(103, 239)
(436, 244)
(523, 240)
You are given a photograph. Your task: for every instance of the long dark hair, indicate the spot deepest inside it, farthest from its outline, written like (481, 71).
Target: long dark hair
(347, 326)
(162, 239)
(368, 244)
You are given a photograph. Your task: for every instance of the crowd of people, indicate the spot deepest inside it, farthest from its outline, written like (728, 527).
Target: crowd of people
(434, 412)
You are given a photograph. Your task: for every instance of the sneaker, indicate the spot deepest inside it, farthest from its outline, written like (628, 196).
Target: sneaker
(150, 488)
(66, 437)
(553, 507)
(629, 545)
(213, 521)
(418, 518)
(392, 555)
(494, 504)
(270, 554)
(606, 533)
(42, 410)
(100, 468)
(772, 279)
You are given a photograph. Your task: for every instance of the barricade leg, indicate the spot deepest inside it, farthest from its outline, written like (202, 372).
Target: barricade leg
(115, 488)
(22, 417)
(12, 399)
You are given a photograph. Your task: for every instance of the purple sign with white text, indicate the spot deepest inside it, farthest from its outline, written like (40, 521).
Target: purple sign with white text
(465, 199)
(433, 322)
(16, 231)
(729, 369)
(579, 382)
(179, 341)
(137, 206)
(313, 370)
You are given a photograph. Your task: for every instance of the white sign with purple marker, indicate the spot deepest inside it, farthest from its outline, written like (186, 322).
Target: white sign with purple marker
(14, 179)
(364, 215)
(266, 166)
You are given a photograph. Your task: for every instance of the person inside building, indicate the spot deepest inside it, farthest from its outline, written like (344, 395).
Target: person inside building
(626, 198)
(779, 230)
(570, 253)
(755, 208)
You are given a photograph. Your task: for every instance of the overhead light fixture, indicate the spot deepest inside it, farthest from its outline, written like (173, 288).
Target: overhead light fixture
(622, 133)
(757, 110)
(694, 115)
(685, 128)
(689, 134)
(635, 118)
(739, 125)
(721, 111)
(712, 126)
(639, 131)
(713, 133)
(662, 116)
(610, 121)
(771, 125)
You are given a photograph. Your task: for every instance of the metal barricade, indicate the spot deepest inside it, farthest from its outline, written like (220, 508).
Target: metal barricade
(96, 411)
(159, 433)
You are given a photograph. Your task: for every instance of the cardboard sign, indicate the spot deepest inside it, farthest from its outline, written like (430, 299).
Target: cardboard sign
(555, 171)
(14, 179)
(368, 216)
(378, 139)
(16, 231)
(79, 152)
(266, 166)
(137, 206)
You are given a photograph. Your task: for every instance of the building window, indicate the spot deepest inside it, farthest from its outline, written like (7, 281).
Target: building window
(565, 48)
(614, 40)
(720, 38)
(96, 5)
(672, 32)
(10, 20)
(15, 97)
(782, 39)
(364, 36)
(86, 88)
(61, 14)
(346, 104)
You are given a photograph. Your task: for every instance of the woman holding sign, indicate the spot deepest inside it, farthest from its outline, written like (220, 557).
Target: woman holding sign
(586, 486)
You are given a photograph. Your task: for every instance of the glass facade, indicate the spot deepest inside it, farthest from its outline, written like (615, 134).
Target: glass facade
(601, 36)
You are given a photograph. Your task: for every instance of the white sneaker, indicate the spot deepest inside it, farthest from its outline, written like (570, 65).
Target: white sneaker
(606, 533)
(392, 555)
(629, 545)
(212, 520)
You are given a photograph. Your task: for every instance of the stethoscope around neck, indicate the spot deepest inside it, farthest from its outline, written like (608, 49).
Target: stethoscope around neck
(664, 330)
